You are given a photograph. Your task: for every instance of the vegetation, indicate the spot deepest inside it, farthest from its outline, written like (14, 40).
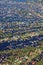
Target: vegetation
(39, 63)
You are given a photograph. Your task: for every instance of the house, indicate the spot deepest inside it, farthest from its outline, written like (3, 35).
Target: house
(33, 62)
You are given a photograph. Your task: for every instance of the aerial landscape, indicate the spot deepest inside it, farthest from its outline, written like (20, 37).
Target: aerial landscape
(21, 32)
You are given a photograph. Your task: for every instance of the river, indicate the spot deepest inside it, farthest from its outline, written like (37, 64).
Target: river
(21, 43)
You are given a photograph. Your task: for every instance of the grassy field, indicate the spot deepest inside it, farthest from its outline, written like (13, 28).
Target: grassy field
(39, 63)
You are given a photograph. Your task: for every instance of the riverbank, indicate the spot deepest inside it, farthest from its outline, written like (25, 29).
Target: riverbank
(20, 56)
